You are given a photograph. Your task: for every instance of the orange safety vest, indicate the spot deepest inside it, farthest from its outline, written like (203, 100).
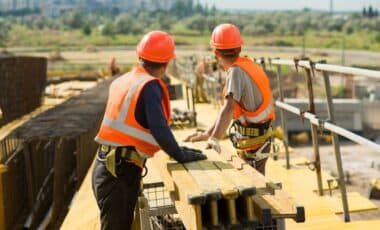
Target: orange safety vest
(119, 126)
(265, 111)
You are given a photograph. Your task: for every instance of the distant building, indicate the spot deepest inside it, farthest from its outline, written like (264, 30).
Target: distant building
(54, 8)
(10, 5)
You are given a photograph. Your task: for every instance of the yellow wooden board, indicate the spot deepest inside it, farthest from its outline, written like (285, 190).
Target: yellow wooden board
(332, 222)
(356, 203)
(291, 178)
(84, 212)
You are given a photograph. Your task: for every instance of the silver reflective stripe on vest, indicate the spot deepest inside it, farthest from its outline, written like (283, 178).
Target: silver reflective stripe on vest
(105, 142)
(119, 124)
(259, 117)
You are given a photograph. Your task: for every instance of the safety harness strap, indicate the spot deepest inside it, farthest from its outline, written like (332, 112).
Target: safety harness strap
(244, 137)
(249, 142)
(112, 156)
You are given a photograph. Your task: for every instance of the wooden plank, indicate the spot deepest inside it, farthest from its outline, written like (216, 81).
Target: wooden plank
(83, 205)
(3, 169)
(262, 210)
(190, 197)
(270, 204)
(208, 186)
(59, 173)
(159, 161)
(29, 175)
(227, 188)
(242, 183)
(210, 189)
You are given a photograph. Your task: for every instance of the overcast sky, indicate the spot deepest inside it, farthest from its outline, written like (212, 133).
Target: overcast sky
(339, 5)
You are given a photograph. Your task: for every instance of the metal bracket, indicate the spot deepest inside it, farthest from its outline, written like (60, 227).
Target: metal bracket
(296, 60)
(308, 164)
(321, 127)
(329, 184)
(302, 115)
(269, 189)
(312, 68)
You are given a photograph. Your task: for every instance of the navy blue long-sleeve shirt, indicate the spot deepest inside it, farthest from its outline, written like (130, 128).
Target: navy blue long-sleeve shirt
(149, 114)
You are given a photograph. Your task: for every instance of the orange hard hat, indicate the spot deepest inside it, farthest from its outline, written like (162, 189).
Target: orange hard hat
(156, 46)
(226, 36)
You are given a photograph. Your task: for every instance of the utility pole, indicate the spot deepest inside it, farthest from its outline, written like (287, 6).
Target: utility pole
(303, 45)
(343, 56)
(331, 7)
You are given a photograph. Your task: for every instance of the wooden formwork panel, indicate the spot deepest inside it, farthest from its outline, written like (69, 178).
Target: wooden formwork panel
(22, 85)
(62, 134)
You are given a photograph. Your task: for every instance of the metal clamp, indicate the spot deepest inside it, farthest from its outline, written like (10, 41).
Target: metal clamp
(296, 60)
(311, 166)
(321, 127)
(302, 115)
(312, 68)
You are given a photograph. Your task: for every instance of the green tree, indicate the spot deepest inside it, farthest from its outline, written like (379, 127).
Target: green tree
(108, 29)
(87, 30)
(123, 23)
(74, 19)
(4, 33)
(197, 22)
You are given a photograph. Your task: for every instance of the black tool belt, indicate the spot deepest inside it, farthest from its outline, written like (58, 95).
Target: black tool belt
(252, 130)
(113, 156)
(246, 136)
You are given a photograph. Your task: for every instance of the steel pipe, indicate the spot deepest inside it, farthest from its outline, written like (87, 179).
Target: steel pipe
(329, 126)
(329, 68)
(282, 62)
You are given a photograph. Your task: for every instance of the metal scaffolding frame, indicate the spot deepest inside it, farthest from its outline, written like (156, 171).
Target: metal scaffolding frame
(316, 123)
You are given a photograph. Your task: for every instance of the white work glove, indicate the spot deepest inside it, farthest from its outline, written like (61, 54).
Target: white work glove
(213, 143)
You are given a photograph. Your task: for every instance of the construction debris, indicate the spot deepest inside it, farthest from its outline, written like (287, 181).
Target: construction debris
(374, 189)
(182, 118)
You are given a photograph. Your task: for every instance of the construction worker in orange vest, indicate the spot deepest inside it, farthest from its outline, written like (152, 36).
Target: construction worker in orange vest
(113, 68)
(134, 128)
(247, 101)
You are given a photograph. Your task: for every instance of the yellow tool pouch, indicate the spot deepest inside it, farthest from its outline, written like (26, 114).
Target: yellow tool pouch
(113, 156)
(111, 162)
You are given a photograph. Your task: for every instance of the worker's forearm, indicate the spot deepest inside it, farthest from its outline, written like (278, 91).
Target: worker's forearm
(222, 123)
(210, 130)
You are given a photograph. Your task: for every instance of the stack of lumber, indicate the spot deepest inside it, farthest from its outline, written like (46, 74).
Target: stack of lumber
(217, 193)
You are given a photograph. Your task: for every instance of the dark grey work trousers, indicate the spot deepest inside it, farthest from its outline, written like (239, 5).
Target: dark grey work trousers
(116, 197)
(259, 165)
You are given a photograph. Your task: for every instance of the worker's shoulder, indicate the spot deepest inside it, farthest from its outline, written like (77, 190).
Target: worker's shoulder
(237, 72)
(152, 87)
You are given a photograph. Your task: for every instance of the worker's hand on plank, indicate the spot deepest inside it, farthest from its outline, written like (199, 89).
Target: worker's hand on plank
(213, 143)
(197, 136)
(189, 154)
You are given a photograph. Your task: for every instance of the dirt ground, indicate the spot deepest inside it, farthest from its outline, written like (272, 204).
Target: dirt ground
(127, 55)
(359, 162)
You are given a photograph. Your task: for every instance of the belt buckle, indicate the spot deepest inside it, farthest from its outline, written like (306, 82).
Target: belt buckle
(105, 148)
